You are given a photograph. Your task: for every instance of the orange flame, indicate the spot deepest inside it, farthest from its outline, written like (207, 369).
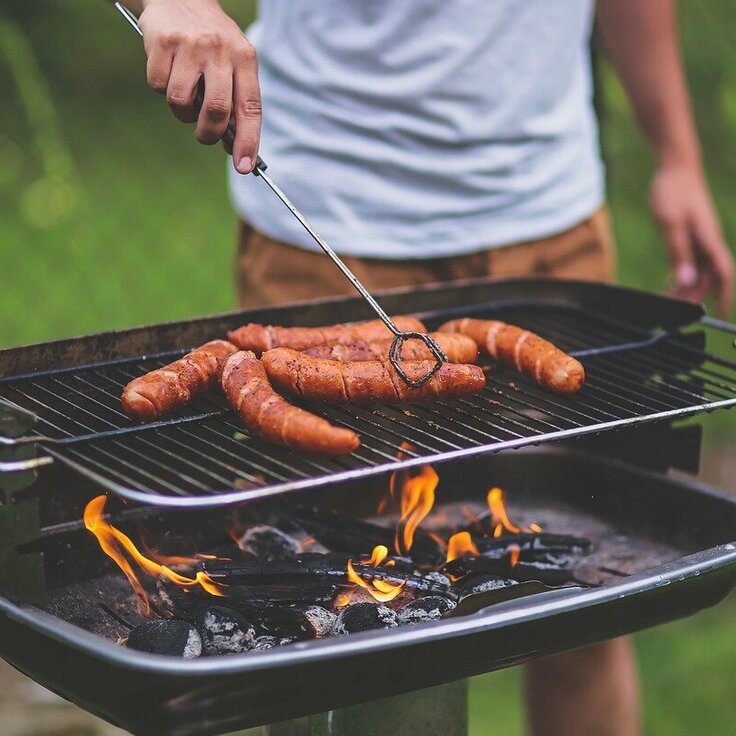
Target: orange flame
(460, 544)
(381, 590)
(417, 499)
(514, 554)
(115, 545)
(499, 518)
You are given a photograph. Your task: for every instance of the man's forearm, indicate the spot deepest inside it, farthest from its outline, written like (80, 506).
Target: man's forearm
(640, 37)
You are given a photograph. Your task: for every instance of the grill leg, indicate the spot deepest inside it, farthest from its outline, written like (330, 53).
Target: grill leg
(437, 711)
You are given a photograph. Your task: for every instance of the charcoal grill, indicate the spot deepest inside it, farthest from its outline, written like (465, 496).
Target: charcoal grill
(647, 368)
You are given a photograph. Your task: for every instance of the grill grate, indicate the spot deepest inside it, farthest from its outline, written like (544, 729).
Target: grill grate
(203, 455)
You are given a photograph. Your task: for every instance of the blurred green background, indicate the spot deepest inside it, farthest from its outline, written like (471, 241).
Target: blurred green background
(111, 216)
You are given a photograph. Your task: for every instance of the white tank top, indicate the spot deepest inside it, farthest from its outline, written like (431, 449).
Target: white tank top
(424, 128)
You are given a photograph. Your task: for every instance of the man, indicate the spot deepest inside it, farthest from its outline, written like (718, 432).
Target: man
(430, 140)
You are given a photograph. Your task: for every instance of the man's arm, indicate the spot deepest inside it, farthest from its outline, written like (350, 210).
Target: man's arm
(641, 40)
(191, 39)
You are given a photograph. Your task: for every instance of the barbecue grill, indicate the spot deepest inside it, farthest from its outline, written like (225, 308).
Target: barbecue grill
(66, 440)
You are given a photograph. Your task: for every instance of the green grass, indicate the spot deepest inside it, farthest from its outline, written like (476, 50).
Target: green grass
(111, 216)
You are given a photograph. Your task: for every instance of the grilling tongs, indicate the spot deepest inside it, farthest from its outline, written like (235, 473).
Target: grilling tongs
(394, 353)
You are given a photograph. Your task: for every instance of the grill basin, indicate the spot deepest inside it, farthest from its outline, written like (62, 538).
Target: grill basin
(162, 696)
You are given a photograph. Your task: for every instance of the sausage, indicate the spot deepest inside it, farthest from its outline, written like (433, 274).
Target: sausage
(264, 337)
(272, 418)
(158, 392)
(528, 353)
(366, 382)
(458, 349)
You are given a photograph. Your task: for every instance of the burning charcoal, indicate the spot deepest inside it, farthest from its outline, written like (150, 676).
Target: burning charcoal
(363, 617)
(482, 584)
(264, 642)
(321, 619)
(173, 637)
(224, 631)
(542, 546)
(269, 543)
(307, 570)
(344, 534)
(431, 608)
(480, 565)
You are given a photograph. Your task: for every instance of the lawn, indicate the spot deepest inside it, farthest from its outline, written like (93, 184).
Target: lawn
(111, 216)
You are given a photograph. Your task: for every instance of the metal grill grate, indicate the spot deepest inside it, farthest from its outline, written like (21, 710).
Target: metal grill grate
(203, 456)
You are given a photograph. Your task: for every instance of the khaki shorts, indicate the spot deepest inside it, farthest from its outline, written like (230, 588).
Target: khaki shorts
(270, 272)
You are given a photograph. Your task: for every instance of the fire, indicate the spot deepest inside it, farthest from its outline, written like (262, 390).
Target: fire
(115, 545)
(500, 522)
(514, 554)
(381, 590)
(460, 544)
(404, 448)
(417, 499)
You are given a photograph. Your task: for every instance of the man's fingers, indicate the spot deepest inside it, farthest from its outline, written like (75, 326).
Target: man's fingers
(158, 68)
(247, 110)
(217, 104)
(681, 255)
(182, 88)
(713, 250)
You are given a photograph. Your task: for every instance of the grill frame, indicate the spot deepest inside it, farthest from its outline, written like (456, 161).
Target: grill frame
(630, 316)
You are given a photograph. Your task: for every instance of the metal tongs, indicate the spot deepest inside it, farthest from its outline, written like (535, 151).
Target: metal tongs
(397, 344)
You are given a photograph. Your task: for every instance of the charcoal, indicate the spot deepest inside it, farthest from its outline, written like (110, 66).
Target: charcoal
(437, 577)
(544, 572)
(344, 534)
(172, 637)
(264, 642)
(322, 620)
(312, 569)
(542, 547)
(269, 543)
(363, 617)
(482, 584)
(225, 631)
(431, 608)
(280, 621)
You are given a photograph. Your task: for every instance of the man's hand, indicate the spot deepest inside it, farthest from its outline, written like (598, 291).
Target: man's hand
(187, 40)
(701, 261)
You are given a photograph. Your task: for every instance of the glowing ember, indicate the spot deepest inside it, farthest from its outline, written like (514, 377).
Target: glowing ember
(116, 545)
(460, 544)
(380, 590)
(417, 499)
(500, 522)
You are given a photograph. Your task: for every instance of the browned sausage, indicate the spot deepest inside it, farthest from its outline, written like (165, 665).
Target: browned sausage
(528, 353)
(264, 337)
(366, 382)
(164, 389)
(272, 418)
(458, 349)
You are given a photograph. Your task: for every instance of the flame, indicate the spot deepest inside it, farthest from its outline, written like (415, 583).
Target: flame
(499, 518)
(404, 448)
(460, 544)
(514, 554)
(379, 554)
(115, 545)
(417, 499)
(381, 590)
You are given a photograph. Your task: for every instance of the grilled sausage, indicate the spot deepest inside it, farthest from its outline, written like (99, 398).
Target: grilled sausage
(272, 418)
(458, 349)
(160, 391)
(528, 353)
(366, 382)
(264, 337)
